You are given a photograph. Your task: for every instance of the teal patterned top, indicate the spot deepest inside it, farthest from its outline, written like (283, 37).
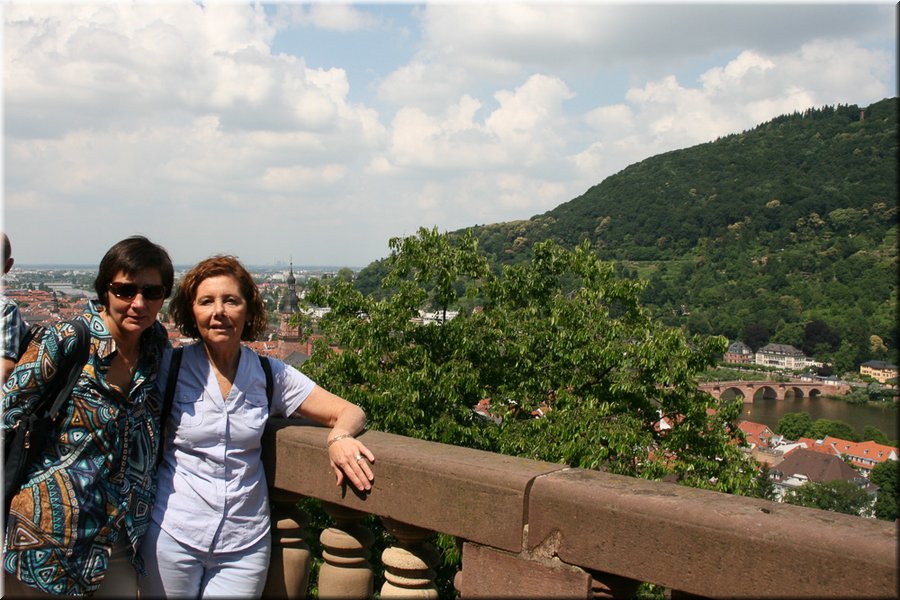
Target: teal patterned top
(97, 476)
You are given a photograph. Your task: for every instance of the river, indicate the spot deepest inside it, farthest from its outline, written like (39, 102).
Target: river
(770, 411)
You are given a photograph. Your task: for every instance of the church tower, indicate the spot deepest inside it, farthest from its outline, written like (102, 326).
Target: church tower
(289, 306)
(54, 304)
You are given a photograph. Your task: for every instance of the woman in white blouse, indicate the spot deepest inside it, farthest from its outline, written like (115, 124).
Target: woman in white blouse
(210, 531)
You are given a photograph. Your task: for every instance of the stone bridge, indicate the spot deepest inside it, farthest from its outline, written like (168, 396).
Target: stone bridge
(777, 390)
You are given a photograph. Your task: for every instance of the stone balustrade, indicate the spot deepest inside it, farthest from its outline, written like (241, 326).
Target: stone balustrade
(531, 529)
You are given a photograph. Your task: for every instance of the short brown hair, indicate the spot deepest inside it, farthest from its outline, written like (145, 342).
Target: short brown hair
(183, 301)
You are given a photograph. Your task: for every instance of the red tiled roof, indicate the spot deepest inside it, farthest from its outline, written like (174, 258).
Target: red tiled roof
(861, 454)
(756, 433)
(752, 428)
(815, 445)
(874, 450)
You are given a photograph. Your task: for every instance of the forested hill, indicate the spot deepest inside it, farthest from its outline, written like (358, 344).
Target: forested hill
(759, 181)
(783, 233)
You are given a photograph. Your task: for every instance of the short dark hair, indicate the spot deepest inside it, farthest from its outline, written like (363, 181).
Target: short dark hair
(182, 303)
(131, 256)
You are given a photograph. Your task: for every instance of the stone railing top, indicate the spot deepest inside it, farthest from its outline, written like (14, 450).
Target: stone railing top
(709, 543)
(695, 541)
(478, 496)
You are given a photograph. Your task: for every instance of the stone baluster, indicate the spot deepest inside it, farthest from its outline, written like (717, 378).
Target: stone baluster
(409, 564)
(289, 565)
(346, 572)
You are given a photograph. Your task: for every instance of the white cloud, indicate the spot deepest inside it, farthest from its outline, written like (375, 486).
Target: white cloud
(330, 16)
(747, 64)
(615, 120)
(423, 84)
(116, 64)
(856, 72)
(449, 141)
(340, 17)
(675, 112)
(524, 130)
(301, 177)
(529, 117)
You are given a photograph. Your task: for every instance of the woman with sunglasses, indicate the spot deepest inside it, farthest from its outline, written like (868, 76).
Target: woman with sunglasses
(78, 518)
(210, 532)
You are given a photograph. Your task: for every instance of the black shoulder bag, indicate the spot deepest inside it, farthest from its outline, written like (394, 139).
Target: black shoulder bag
(24, 443)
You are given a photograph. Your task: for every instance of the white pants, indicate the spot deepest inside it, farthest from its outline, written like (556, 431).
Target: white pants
(175, 570)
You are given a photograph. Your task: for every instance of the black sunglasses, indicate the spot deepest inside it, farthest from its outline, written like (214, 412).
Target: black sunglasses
(127, 291)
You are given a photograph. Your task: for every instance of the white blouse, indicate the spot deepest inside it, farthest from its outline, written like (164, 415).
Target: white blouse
(212, 492)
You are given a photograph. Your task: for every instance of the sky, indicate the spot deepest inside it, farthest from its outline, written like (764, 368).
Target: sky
(315, 133)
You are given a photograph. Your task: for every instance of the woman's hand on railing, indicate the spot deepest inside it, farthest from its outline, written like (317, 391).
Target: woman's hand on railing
(351, 459)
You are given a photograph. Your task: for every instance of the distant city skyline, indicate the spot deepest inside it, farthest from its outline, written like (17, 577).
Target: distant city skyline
(319, 131)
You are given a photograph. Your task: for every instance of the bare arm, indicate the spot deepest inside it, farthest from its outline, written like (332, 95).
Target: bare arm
(349, 457)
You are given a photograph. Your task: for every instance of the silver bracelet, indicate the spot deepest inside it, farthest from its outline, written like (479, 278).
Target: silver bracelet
(336, 438)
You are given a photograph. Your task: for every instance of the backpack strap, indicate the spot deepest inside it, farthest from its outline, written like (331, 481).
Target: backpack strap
(71, 365)
(34, 335)
(169, 397)
(267, 369)
(172, 379)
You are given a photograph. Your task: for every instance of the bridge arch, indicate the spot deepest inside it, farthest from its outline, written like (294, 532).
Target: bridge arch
(730, 393)
(766, 392)
(793, 392)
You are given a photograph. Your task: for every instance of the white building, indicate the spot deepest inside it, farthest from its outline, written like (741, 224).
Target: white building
(784, 356)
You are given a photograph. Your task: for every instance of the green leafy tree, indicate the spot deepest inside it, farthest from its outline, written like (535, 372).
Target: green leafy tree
(837, 496)
(877, 346)
(875, 392)
(559, 331)
(886, 476)
(764, 486)
(794, 425)
(847, 357)
(819, 337)
(886, 505)
(345, 273)
(856, 396)
(301, 322)
(838, 429)
(436, 262)
(756, 335)
(788, 333)
(874, 434)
